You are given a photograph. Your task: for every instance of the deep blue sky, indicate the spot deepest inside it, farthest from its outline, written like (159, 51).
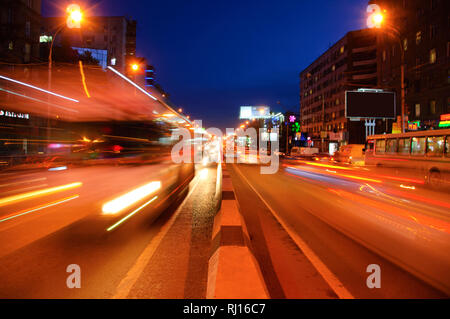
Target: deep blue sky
(213, 56)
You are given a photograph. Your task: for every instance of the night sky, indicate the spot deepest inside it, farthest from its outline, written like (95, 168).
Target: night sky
(213, 56)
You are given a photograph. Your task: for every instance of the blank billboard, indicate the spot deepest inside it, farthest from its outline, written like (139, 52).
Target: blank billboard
(364, 104)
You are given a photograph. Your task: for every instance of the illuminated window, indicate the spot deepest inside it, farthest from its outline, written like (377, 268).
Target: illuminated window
(391, 146)
(418, 146)
(447, 146)
(418, 37)
(417, 110)
(433, 56)
(10, 45)
(404, 146)
(433, 106)
(333, 67)
(435, 146)
(380, 147)
(342, 49)
(384, 55)
(405, 44)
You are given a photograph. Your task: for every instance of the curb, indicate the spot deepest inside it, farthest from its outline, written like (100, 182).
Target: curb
(233, 272)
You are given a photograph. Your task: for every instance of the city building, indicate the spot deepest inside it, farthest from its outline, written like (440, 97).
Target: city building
(116, 35)
(20, 22)
(349, 64)
(421, 29)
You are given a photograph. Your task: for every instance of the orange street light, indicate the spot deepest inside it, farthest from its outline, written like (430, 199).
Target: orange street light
(135, 66)
(74, 16)
(376, 17)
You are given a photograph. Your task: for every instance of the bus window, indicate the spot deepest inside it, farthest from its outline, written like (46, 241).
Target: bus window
(380, 146)
(435, 146)
(404, 146)
(391, 146)
(447, 146)
(418, 146)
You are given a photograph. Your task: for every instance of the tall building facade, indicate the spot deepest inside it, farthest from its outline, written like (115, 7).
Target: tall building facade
(349, 64)
(116, 35)
(20, 22)
(423, 32)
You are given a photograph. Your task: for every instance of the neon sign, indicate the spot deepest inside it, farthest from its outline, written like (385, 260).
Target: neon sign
(14, 114)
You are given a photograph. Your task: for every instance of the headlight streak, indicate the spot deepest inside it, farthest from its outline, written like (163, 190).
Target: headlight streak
(39, 89)
(120, 203)
(329, 166)
(27, 211)
(131, 214)
(60, 168)
(15, 198)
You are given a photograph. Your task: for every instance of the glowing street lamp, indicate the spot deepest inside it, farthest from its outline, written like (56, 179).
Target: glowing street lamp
(135, 67)
(74, 16)
(376, 17)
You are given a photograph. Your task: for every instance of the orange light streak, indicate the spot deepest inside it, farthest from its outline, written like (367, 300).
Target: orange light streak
(16, 198)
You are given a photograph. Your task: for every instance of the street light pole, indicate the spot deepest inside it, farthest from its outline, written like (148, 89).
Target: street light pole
(376, 20)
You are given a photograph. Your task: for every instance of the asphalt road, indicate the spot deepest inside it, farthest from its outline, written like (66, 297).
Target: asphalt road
(161, 251)
(320, 227)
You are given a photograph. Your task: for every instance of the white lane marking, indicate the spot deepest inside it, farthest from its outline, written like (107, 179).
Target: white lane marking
(125, 285)
(327, 275)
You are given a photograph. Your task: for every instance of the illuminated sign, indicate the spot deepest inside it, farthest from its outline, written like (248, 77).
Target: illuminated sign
(254, 112)
(444, 124)
(14, 115)
(445, 117)
(413, 126)
(45, 38)
(292, 118)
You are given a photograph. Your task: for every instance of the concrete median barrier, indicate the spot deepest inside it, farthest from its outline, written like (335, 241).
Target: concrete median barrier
(233, 272)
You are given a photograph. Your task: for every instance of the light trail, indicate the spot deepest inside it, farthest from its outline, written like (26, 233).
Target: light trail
(328, 166)
(131, 214)
(16, 198)
(40, 101)
(37, 88)
(83, 79)
(120, 203)
(132, 83)
(27, 211)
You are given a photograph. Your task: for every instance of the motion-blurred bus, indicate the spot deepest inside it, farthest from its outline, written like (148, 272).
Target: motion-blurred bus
(425, 151)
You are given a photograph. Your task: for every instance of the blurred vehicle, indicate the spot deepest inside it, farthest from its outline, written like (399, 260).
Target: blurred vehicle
(322, 157)
(303, 152)
(350, 154)
(426, 152)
